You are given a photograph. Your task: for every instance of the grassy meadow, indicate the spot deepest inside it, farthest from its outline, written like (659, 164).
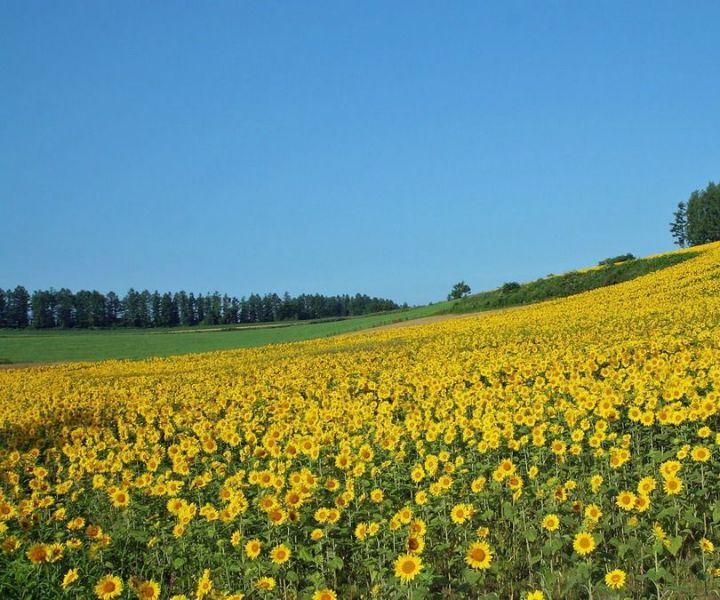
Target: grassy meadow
(44, 346)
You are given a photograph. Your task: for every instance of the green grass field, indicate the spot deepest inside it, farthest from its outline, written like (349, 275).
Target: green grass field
(45, 346)
(567, 284)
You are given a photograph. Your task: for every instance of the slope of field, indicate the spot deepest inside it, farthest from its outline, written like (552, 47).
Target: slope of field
(567, 449)
(46, 346)
(567, 284)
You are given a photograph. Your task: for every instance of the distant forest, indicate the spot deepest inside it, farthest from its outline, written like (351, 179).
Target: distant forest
(46, 309)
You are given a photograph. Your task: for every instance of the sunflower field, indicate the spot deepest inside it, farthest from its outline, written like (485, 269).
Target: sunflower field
(567, 449)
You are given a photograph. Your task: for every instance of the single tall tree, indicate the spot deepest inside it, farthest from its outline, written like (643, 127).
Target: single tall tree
(460, 290)
(678, 228)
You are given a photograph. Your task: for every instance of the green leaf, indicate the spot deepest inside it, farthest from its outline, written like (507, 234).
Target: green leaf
(508, 510)
(178, 562)
(674, 545)
(656, 575)
(471, 577)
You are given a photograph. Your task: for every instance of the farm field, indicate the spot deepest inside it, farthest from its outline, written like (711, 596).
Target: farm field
(44, 346)
(567, 449)
(51, 345)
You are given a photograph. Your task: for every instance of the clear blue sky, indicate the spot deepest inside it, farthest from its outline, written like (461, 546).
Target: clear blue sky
(391, 148)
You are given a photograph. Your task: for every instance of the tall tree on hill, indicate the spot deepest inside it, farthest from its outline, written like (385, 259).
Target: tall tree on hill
(703, 216)
(678, 227)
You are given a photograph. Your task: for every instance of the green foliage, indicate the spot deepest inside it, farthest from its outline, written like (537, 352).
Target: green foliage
(699, 222)
(560, 286)
(703, 216)
(678, 227)
(460, 290)
(617, 259)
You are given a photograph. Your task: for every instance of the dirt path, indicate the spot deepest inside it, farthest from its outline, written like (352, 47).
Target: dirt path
(420, 321)
(438, 318)
(25, 365)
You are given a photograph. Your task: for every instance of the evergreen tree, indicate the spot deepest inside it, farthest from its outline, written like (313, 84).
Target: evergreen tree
(678, 228)
(3, 308)
(114, 309)
(703, 216)
(65, 308)
(155, 310)
(43, 309)
(18, 307)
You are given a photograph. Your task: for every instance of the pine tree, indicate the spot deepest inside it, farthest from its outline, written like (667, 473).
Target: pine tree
(678, 228)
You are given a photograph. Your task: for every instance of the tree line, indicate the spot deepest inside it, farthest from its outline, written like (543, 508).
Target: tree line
(697, 221)
(64, 309)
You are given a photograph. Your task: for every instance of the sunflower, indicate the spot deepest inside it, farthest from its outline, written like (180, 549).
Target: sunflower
(315, 535)
(593, 512)
(407, 566)
(461, 513)
(265, 583)
(584, 543)
(646, 486)
(69, 578)
(120, 499)
(700, 454)
(204, 586)
(626, 500)
(252, 549)
(551, 522)
(535, 595)
(479, 555)
(642, 503)
(415, 544)
(673, 485)
(280, 554)
(148, 590)
(39, 553)
(707, 546)
(326, 594)
(615, 579)
(376, 496)
(108, 587)
(361, 531)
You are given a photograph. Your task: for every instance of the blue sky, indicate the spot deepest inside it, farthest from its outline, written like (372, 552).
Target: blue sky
(385, 148)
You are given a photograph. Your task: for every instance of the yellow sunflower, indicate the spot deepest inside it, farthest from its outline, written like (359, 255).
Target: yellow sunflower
(108, 587)
(551, 522)
(615, 579)
(479, 555)
(584, 543)
(280, 554)
(407, 566)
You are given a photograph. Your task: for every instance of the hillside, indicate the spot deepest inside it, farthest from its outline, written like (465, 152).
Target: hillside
(566, 448)
(47, 346)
